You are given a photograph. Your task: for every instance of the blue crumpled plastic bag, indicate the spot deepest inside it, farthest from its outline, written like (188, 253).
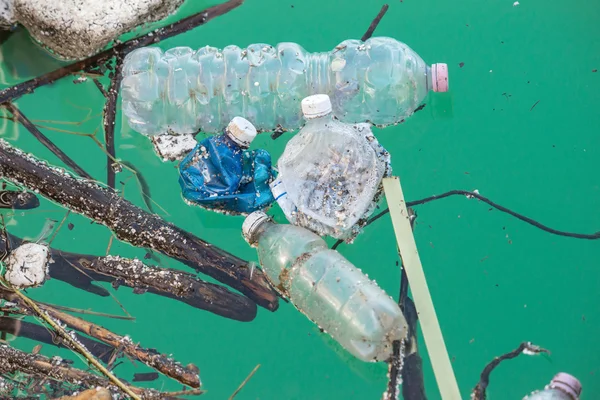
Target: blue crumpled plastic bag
(220, 175)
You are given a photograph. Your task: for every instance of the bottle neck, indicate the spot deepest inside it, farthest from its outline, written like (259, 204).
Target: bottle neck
(429, 78)
(230, 141)
(260, 230)
(328, 118)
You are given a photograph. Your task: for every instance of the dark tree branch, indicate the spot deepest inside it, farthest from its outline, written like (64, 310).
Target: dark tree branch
(156, 36)
(131, 224)
(39, 333)
(13, 360)
(479, 392)
(410, 369)
(187, 375)
(110, 112)
(23, 120)
(375, 22)
(80, 270)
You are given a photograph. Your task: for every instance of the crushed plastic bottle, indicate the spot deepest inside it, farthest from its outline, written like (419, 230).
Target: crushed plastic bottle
(381, 81)
(327, 288)
(330, 173)
(222, 175)
(562, 387)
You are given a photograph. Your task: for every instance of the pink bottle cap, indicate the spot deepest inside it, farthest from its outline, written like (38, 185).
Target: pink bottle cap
(567, 383)
(439, 74)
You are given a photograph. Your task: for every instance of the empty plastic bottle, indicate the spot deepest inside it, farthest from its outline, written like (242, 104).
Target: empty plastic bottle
(327, 288)
(330, 173)
(562, 387)
(221, 174)
(381, 81)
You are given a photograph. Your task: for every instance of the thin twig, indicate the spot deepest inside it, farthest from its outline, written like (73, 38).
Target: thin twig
(479, 391)
(80, 349)
(45, 141)
(375, 22)
(132, 224)
(110, 112)
(156, 36)
(89, 312)
(244, 382)
(187, 375)
(100, 87)
(530, 221)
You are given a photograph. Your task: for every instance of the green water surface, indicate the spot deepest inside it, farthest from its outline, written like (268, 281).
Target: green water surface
(495, 281)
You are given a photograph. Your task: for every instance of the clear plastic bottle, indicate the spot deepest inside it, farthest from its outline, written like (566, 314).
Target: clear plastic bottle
(381, 81)
(327, 288)
(329, 173)
(562, 387)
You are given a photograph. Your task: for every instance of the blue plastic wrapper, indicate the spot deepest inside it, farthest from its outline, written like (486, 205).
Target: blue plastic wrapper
(220, 175)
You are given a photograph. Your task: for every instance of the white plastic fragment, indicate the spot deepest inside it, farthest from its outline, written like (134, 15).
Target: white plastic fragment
(173, 148)
(74, 29)
(27, 265)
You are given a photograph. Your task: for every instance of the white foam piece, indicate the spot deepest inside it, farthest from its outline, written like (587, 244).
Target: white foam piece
(27, 265)
(74, 29)
(173, 147)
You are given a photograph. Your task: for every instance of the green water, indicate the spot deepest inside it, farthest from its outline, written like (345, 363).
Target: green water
(495, 281)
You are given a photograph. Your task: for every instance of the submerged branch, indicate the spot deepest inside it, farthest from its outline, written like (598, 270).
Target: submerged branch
(13, 361)
(27, 124)
(19, 328)
(479, 391)
(187, 375)
(80, 270)
(156, 36)
(131, 224)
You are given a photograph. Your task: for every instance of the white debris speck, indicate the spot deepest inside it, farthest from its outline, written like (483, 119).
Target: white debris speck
(26, 265)
(516, 3)
(173, 147)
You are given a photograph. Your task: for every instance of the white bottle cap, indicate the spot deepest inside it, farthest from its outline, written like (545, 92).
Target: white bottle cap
(241, 131)
(316, 106)
(251, 224)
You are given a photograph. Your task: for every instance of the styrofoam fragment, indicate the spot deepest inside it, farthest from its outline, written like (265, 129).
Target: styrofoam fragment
(173, 148)
(26, 266)
(74, 29)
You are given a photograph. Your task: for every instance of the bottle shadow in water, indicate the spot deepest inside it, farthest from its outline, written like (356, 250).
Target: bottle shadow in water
(371, 372)
(23, 59)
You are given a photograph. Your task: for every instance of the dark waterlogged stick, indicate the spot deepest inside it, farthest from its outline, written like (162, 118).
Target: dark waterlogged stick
(187, 375)
(156, 36)
(110, 112)
(375, 22)
(23, 120)
(39, 333)
(132, 224)
(80, 270)
(479, 391)
(13, 361)
(410, 369)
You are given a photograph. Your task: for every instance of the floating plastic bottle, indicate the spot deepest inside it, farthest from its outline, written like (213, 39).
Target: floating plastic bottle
(221, 174)
(330, 173)
(327, 288)
(381, 81)
(562, 387)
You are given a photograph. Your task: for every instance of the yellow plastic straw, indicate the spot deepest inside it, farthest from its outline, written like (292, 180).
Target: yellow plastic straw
(434, 341)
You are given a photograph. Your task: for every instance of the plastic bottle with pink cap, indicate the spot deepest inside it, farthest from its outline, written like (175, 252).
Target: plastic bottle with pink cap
(562, 387)
(181, 90)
